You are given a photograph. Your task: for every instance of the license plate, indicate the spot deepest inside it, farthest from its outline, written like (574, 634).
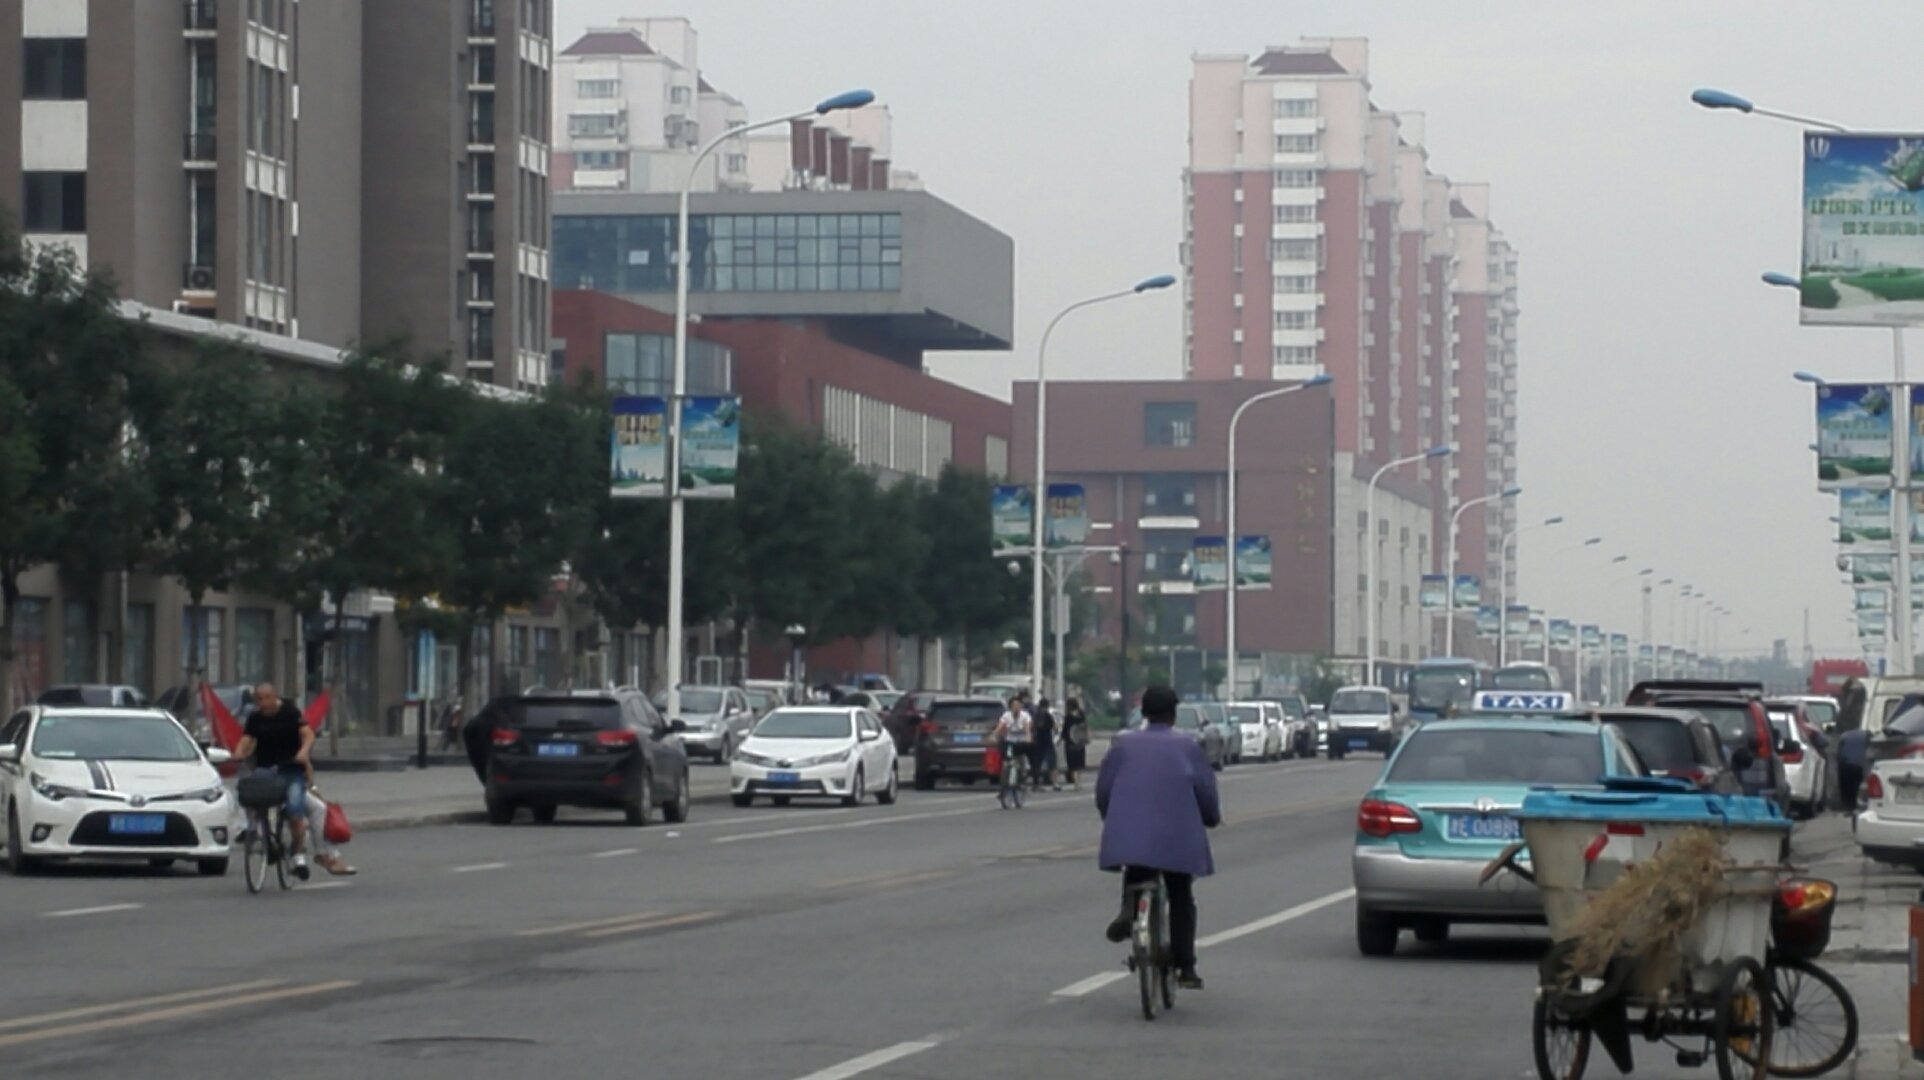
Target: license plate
(967, 737)
(784, 778)
(137, 824)
(556, 749)
(1907, 794)
(1358, 744)
(1482, 827)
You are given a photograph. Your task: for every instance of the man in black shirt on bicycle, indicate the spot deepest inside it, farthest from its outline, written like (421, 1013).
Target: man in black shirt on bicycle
(278, 739)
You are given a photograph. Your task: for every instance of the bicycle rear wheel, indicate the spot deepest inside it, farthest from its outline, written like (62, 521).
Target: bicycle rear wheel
(254, 852)
(1144, 953)
(1165, 965)
(283, 852)
(1816, 1019)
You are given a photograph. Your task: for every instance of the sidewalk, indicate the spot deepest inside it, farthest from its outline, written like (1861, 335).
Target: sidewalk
(1869, 950)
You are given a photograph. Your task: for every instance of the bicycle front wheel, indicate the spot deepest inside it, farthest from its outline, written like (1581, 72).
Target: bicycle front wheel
(283, 851)
(254, 853)
(1816, 1019)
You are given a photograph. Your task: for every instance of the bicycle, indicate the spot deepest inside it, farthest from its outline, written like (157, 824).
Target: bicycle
(1012, 792)
(1149, 955)
(266, 839)
(1816, 1018)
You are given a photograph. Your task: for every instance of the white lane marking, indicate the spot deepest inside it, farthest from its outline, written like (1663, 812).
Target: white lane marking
(101, 910)
(614, 853)
(860, 1065)
(471, 868)
(1278, 919)
(867, 822)
(1091, 984)
(327, 885)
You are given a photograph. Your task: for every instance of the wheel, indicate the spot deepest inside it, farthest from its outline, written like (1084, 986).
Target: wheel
(18, 861)
(500, 812)
(886, 796)
(1432, 931)
(543, 812)
(1165, 970)
(676, 810)
(1143, 956)
(1562, 1048)
(779, 800)
(254, 855)
(924, 781)
(856, 790)
(641, 810)
(160, 864)
(742, 799)
(284, 844)
(1744, 1022)
(727, 751)
(1815, 1020)
(1375, 935)
(212, 867)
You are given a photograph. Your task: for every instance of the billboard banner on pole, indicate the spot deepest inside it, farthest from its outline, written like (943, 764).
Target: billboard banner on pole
(638, 448)
(1663, 655)
(1591, 636)
(1872, 600)
(1863, 229)
(1209, 563)
(1255, 566)
(1871, 623)
(1516, 621)
(1864, 517)
(1854, 437)
(1533, 635)
(1489, 621)
(1645, 654)
(711, 446)
(1563, 634)
(1011, 519)
(1432, 594)
(1914, 513)
(1467, 593)
(1068, 517)
(1866, 569)
(1619, 644)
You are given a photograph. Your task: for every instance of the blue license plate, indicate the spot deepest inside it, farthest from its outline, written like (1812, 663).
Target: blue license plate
(1483, 827)
(137, 824)
(967, 737)
(1359, 744)
(784, 778)
(556, 749)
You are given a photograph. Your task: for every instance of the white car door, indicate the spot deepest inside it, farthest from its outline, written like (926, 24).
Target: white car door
(12, 733)
(878, 753)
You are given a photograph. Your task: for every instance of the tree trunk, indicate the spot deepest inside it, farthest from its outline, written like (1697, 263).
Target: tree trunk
(9, 601)
(195, 660)
(464, 666)
(333, 680)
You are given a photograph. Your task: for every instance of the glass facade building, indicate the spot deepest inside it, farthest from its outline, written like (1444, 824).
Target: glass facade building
(632, 253)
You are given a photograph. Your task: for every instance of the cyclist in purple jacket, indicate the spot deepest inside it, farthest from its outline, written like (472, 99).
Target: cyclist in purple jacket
(1157, 797)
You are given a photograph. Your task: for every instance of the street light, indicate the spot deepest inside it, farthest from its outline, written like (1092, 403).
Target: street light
(1449, 608)
(1503, 584)
(1040, 495)
(851, 99)
(1723, 99)
(1369, 520)
(1235, 419)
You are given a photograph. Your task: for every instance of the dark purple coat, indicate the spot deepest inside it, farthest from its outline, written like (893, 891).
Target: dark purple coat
(1157, 797)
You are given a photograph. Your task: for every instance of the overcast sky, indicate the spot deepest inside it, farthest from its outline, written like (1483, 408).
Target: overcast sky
(1657, 407)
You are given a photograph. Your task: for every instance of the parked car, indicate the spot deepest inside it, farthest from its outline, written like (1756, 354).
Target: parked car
(98, 782)
(908, 714)
(1259, 730)
(781, 690)
(1299, 728)
(806, 751)
(1820, 711)
(950, 740)
(1195, 719)
(1801, 748)
(608, 750)
(715, 719)
(1444, 809)
(1883, 695)
(1679, 744)
(1363, 718)
(1890, 828)
(885, 700)
(1736, 710)
(184, 703)
(1319, 719)
(96, 695)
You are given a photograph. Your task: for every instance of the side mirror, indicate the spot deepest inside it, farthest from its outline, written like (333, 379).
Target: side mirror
(218, 756)
(870, 736)
(676, 727)
(1788, 747)
(10, 752)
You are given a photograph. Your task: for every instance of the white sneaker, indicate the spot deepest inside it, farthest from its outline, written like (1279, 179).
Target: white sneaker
(300, 867)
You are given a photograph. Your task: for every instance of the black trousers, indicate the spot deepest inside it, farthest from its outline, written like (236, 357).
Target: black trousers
(1849, 777)
(1182, 908)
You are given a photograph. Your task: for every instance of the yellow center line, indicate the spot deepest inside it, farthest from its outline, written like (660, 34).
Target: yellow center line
(569, 928)
(654, 924)
(137, 1003)
(885, 880)
(155, 1016)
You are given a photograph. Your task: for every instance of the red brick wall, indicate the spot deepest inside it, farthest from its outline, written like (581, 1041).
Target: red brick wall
(1342, 288)
(1212, 271)
(1472, 430)
(1258, 325)
(1409, 314)
(1380, 390)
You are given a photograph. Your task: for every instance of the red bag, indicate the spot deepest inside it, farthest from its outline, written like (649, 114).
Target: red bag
(336, 828)
(992, 761)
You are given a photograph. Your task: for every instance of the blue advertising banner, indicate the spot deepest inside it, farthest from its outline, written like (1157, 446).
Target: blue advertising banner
(1516, 621)
(1866, 569)
(638, 448)
(1068, 517)
(1864, 517)
(1489, 621)
(711, 445)
(1619, 644)
(1209, 563)
(1533, 636)
(1467, 592)
(1854, 437)
(1011, 519)
(1433, 592)
(1645, 654)
(1563, 633)
(1255, 565)
(1591, 635)
(1863, 229)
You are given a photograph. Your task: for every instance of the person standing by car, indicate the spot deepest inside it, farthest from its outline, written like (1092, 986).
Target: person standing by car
(1042, 752)
(1853, 742)
(1075, 742)
(278, 740)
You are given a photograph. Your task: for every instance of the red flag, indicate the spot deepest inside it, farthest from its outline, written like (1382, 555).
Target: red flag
(316, 712)
(226, 729)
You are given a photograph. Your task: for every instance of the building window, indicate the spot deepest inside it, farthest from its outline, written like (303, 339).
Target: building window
(1295, 355)
(53, 202)
(731, 253)
(592, 125)
(737, 163)
(55, 69)
(76, 641)
(995, 456)
(253, 645)
(1295, 251)
(597, 159)
(1295, 178)
(1169, 495)
(200, 641)
(481, 334)
(1290, 214)
(643, 365)
(1296, 283)
(1296, 144)
(484, 65)
(1295, 107)
(597, 88)
(481, 174)
(1295, 320)
(1169, 423)
(678, 95)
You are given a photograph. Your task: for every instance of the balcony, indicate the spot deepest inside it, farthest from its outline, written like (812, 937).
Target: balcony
(199, 148)
(201, 15)
(481, 24)
(481, 132)
(481, 241)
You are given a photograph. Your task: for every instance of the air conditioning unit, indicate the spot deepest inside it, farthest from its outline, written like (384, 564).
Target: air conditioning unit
(200, 278)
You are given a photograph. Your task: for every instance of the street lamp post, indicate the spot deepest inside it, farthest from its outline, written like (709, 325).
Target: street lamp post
(1235, 419)
(1503, 584)
(1040, 494)
(852, 99)
(1449, 609)
(1371, 559)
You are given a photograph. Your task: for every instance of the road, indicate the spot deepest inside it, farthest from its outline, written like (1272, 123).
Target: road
(938, 938)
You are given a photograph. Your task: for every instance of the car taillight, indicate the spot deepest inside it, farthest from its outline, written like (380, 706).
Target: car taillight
(504, 736)
(1874, 787)
(617, 739)
(1379, 818)
(1915, 750)
(1793, 757)
(1766, 741)
(927, 727)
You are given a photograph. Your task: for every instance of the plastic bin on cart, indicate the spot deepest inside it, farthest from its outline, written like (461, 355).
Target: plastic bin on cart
(1581, 841)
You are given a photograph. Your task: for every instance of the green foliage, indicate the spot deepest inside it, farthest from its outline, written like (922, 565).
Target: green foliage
(203, 471)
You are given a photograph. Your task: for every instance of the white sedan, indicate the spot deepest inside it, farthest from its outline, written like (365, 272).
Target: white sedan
(1259, 724)
(110, 783)
(815, 751)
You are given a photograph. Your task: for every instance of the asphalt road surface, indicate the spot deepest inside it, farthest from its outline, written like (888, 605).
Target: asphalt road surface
(938, 938)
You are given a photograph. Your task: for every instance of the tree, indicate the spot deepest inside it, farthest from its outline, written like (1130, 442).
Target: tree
(968, 591)
(797, 531)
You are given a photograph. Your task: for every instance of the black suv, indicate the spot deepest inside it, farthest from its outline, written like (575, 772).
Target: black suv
(1736, 711)
(1677, 743)
(951, 738)
(596, 749)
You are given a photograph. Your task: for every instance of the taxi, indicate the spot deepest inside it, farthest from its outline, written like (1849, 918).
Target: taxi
(1445, 806)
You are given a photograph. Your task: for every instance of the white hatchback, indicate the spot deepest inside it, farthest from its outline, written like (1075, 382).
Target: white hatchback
(1891, 827)
(1260, 728)
(814, 752)
(1804, 765)
(81, 782)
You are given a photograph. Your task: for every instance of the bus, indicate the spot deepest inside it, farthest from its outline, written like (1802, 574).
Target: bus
(1445, 683)
(1526, 676)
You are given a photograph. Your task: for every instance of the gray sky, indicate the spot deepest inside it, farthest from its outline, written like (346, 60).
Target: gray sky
(1656, 403)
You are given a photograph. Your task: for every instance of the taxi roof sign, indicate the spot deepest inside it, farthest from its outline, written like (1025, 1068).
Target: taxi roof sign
(1524, 701)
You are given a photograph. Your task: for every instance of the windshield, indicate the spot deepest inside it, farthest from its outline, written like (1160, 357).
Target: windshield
(762, 699)
(1365, 702)
(1663, 745)
(1433, 688)
(1821, 713)
(1246, 714)
(1494, 756)
(965, 712)
(1188, 717)
(804, 724)
(1733, 721)
(1293, 708)
(118, 738)
(1522, 678)
(696, 701)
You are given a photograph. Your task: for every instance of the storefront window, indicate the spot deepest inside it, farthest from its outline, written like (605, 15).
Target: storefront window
(29, 650)
(253, 645)
(200, 643)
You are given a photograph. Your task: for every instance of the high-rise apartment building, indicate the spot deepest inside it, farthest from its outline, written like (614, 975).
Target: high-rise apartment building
(332, 170)
(1317, 239)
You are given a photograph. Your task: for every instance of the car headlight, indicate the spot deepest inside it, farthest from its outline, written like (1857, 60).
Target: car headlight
(212, 794)
(51, 790)
(825, 759)
(747, 758)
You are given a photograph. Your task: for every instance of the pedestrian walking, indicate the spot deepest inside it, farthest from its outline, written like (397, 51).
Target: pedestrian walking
(1853, 744)
(1075, 742)
(451, 721)
(1042, 753)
